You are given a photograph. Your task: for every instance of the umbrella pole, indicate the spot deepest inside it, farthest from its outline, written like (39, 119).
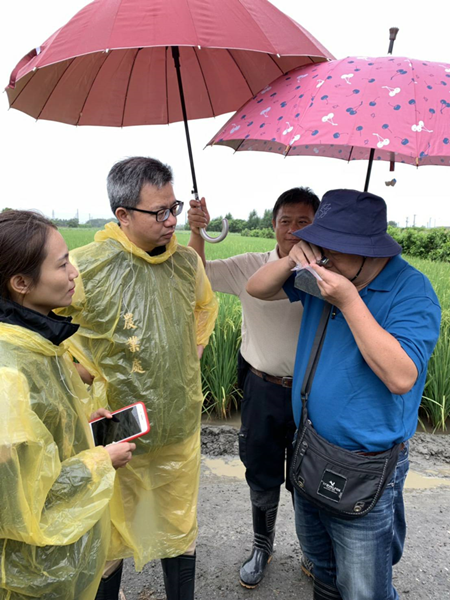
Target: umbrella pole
(392, 36)
(176, 60)
(369, 169)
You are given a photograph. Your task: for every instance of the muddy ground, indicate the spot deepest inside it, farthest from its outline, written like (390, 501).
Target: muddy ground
(225, 533)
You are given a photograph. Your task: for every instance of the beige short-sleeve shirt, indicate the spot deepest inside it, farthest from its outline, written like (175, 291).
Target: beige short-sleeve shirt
(269, 328)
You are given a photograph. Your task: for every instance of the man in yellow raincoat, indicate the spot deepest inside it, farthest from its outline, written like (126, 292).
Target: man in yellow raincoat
(146, 310)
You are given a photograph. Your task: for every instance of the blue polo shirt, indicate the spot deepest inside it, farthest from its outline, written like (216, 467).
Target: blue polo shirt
(348, 404)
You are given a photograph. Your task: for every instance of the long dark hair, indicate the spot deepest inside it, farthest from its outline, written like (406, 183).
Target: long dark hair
(23, 235)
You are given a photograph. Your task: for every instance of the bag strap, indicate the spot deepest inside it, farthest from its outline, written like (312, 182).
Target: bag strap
(314, 357)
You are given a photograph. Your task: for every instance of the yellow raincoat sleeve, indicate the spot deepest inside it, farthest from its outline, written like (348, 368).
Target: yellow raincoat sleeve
(44, 501)
(206, 306)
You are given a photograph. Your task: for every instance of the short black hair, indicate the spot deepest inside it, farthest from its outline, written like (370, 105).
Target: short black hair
(127, 177)
(297, 195)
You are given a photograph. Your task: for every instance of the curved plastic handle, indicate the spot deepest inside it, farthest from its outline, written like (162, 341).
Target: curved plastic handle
(220, 237)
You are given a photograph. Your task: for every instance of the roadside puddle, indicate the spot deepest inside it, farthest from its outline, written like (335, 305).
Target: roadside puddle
(234, 468)
(221, 468)
(418, 481)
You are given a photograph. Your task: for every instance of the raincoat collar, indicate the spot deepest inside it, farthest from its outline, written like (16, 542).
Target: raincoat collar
(53, 328)
(113, 232)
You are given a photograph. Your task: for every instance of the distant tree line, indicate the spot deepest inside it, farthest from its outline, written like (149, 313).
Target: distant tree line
(96, 223)
(433, 244)
(254, 226)
(74, 222)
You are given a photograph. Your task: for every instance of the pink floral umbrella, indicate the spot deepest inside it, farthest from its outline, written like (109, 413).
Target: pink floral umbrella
(358, 108)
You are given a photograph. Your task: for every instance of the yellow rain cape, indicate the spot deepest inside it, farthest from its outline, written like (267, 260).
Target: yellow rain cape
(54, 486)
(141, 318)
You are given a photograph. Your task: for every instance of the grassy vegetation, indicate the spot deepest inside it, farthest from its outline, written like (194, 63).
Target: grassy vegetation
(232, 245)
(77, 236)
(219, 372)
(439, 275)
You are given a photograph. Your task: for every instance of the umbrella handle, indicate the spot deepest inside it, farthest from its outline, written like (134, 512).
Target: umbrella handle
(220, 237)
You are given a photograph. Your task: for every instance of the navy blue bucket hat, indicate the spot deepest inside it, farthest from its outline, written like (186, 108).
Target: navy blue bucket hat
(351, 222)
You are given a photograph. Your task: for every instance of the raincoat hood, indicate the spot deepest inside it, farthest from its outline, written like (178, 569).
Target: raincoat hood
(52, 327)
(113, 232)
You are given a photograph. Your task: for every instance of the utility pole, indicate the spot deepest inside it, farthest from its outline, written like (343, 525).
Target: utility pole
(407, 221)
(414, 221)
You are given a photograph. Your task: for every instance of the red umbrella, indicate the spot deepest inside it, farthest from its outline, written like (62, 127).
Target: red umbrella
(116, 63)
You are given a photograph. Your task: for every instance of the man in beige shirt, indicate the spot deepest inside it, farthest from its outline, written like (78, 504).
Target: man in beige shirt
(265, 367)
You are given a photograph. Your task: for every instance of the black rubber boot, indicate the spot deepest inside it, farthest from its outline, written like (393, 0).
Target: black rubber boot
(109, 588)
(252, 571)
(324, 591)
(179, 577)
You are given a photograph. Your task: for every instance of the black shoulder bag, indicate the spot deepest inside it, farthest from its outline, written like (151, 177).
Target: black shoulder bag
(344, 483)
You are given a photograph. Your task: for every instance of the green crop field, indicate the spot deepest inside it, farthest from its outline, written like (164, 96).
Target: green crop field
(77, 236)
(219, 360)
(437, 272)
(234, 243)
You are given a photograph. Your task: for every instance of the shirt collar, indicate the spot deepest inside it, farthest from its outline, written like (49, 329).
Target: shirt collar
(385, 280)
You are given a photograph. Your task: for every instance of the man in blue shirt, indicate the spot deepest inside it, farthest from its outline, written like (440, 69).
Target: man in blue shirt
(369, 381)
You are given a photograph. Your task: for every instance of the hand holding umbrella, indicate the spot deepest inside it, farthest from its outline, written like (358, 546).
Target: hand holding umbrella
(198, 215)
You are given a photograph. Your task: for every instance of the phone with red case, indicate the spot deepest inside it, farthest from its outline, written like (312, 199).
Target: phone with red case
(126, 424)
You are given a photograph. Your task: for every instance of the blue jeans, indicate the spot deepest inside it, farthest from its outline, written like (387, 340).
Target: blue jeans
(356, 556)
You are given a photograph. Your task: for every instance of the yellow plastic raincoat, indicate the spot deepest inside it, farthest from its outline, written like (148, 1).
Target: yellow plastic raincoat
(141, 318)
(54, 485)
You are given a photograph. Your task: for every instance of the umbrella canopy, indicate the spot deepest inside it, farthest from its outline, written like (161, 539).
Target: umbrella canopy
(397, 107)
(112, 64)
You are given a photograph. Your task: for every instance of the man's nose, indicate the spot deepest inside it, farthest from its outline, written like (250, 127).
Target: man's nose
(171, 221)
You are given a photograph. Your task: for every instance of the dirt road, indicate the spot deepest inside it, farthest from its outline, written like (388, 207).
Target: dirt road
(225, 538)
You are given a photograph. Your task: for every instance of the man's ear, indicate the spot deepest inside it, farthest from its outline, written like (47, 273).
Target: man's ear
(274, 224)
(123, 216)
(20, 284)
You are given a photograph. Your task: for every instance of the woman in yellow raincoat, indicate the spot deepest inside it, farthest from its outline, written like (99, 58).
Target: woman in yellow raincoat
(54, 485)
(145, 307)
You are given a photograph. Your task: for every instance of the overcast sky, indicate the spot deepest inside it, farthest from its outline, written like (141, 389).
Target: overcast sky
(60, 168)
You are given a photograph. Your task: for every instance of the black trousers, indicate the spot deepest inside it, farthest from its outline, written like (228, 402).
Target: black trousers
(267, 431)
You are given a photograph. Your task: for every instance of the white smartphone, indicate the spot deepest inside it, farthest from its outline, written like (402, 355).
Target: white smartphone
(126, 424)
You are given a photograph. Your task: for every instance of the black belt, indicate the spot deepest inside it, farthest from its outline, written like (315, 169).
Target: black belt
(283, 381)
(381, 451)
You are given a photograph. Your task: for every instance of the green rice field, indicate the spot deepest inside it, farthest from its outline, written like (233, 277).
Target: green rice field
(233, 244)
(219, 359)
(437, 272)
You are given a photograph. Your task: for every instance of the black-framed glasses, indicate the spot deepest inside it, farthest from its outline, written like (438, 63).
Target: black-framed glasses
(163, 214)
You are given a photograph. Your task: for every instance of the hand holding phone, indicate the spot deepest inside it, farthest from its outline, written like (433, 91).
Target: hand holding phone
(120, 454)
(125, 425)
